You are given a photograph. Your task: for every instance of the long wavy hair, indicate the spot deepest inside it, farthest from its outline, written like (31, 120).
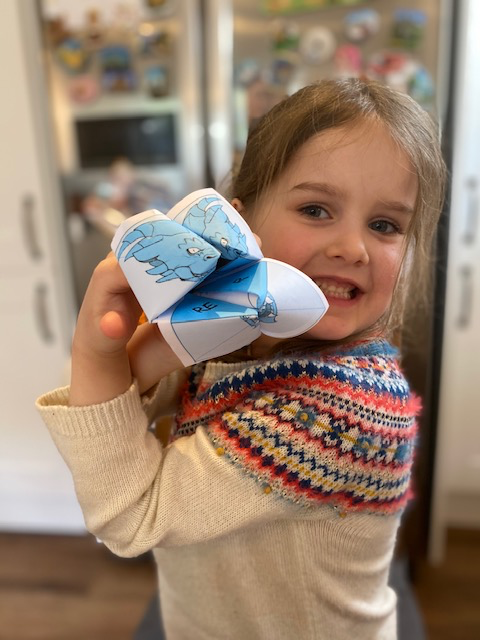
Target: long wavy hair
(346, 103)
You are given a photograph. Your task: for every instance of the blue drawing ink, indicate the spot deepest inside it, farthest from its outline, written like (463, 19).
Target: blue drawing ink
(267, 312)
(251, 321)
(210, 221)
(171, 250)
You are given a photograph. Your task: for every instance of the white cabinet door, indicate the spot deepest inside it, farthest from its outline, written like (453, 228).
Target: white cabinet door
(36, 308)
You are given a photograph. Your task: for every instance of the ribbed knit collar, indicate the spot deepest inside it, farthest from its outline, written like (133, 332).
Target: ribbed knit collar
(379, 347)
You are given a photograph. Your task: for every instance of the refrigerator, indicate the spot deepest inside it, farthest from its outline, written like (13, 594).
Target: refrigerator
(152, 99)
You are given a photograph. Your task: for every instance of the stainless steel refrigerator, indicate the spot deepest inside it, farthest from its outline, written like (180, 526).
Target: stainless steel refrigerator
(151, 99)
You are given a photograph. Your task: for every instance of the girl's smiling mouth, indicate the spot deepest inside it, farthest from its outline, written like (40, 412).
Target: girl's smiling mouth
(337, 289)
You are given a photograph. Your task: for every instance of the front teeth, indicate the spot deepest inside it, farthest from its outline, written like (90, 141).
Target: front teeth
(337, 291)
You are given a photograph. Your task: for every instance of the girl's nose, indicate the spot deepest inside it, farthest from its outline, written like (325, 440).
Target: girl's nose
(349, 246)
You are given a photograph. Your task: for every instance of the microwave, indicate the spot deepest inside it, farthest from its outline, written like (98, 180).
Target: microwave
(144, 140)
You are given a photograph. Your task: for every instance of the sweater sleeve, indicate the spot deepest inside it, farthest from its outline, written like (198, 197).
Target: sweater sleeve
(135, 494)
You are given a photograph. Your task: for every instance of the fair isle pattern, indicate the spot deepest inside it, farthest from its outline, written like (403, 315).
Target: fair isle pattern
(336, 429)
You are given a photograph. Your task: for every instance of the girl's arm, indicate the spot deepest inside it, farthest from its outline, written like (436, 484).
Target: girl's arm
(108, 349)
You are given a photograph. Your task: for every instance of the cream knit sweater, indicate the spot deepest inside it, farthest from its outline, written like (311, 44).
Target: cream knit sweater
(234, 562)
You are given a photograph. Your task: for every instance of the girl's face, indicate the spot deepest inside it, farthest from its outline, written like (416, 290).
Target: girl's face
(339, 213)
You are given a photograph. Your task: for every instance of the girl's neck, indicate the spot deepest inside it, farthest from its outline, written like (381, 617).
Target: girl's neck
(263, 346)
(266, 347)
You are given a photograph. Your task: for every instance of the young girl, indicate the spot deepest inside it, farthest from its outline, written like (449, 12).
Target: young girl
(273, 511)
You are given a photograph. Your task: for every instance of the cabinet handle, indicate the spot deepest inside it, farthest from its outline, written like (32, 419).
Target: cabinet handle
(466, 297)
(41, 312)
(471, 218)
(29, 227)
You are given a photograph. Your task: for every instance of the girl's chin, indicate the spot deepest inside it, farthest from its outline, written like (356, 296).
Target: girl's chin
(326, 336)
(330, 331)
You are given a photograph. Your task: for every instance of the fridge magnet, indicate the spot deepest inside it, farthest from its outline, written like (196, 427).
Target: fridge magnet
(394, 68)
(286, 35)
(317, 45)
(199, 274)
(84, 89)
(283, 67)
(56, 31)
(246, 72)
(361, 25)
(116, 70)
(154, 40)
(420, 85)
(156, 81)
(348, 61)
(72, 56)
(408, 28)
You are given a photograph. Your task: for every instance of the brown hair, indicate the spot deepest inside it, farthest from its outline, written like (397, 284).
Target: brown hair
(345, 103)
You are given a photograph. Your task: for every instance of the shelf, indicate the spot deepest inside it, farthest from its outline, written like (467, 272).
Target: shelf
(125, 105)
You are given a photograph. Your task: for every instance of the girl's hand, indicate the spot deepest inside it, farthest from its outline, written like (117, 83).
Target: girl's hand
(108, 318)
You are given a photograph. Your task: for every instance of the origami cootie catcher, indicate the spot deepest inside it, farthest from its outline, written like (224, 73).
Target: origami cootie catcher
(199, 274)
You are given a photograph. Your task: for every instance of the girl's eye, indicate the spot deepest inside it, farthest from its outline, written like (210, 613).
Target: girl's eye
(384, 226)
(314, 211)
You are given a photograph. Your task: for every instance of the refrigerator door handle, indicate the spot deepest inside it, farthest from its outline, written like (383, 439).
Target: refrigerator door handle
(30, 233)
(41, 312)
(219, 74)
(471, 218)
(466, 297)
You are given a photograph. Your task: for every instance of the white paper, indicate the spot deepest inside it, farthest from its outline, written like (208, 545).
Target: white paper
(198, 272)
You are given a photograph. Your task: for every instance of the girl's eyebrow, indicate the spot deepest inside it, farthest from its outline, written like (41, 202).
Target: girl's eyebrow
(322, 187)
(395, 205)
(330, 190)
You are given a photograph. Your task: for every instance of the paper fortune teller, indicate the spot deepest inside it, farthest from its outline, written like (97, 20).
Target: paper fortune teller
(199, 274)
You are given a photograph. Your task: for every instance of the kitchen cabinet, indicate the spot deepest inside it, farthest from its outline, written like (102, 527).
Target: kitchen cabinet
(36, 301)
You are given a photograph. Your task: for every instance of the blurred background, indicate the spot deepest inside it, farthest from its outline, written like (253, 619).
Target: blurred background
(110, 108)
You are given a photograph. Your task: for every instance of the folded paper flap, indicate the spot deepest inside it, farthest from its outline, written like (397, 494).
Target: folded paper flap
(247, 285)
(161, 240)
(162, 260)
(209, 215)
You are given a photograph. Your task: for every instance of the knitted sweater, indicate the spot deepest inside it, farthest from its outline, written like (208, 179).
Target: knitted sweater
(274, 510)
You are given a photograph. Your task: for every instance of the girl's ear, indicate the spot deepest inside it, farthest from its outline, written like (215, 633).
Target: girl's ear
(238, 205)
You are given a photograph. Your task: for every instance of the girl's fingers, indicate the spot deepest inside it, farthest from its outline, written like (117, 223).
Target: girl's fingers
(110, 312)
(113, 326)
(109, 273)
(151, 358)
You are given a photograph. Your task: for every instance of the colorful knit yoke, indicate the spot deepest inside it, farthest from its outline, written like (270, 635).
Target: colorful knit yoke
(337, 429)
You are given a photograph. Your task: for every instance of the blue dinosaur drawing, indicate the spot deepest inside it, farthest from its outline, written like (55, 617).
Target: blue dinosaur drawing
(171, 250)
(208, 219)
(267, 312)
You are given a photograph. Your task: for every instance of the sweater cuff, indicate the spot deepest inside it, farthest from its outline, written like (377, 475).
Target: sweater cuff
(117, 415)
